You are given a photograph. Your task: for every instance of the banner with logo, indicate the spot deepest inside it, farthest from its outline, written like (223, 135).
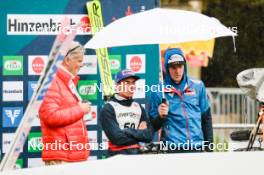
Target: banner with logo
(27, 32)
(197, 53)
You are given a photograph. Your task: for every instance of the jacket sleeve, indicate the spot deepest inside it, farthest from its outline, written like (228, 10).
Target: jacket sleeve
(111, 128)
(142, 135)
(53, 114)
(207, 127)
(155, 119)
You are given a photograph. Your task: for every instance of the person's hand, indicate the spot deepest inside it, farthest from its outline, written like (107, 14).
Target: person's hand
(163, 110)
(142, 125)
(86, 107)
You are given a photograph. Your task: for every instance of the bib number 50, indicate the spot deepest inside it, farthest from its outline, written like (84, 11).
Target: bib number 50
(130, 125)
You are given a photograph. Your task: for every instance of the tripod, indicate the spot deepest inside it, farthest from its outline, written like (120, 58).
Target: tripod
(257, 130)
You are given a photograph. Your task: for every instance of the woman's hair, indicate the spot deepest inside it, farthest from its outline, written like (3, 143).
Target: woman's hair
(75, 49)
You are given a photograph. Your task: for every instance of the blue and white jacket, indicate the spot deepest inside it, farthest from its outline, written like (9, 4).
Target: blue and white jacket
(189, 119)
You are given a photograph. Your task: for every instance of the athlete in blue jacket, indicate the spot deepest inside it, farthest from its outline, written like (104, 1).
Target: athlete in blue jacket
(186, 119)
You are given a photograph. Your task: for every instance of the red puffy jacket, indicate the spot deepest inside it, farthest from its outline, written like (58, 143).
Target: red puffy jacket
(64, 133)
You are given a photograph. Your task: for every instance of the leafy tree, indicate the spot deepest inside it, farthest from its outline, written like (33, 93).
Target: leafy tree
(248, 17)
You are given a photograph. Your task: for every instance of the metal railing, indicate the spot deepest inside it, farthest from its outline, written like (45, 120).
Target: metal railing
(231, 108)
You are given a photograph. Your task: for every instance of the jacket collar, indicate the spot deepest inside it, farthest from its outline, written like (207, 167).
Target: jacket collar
(122, 100)
(66, 76)
(68, 72)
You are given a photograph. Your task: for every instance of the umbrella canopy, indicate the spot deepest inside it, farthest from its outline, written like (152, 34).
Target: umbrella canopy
(159, 26)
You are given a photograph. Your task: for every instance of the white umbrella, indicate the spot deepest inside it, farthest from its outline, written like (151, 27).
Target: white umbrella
(158, 26)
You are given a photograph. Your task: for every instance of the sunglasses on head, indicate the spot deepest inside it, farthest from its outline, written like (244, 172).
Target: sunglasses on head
(71, 50)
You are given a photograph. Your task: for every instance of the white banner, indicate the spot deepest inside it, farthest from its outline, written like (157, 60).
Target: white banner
(45, 24)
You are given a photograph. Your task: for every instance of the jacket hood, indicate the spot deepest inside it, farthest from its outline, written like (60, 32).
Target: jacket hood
(168, 80)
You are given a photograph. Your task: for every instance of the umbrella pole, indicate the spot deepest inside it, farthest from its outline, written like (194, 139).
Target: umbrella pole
(161, 74)
(234, 43)
(164, 100)
(161, 78)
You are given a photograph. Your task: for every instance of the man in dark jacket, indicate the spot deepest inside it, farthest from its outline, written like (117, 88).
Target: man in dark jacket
(123, 120)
